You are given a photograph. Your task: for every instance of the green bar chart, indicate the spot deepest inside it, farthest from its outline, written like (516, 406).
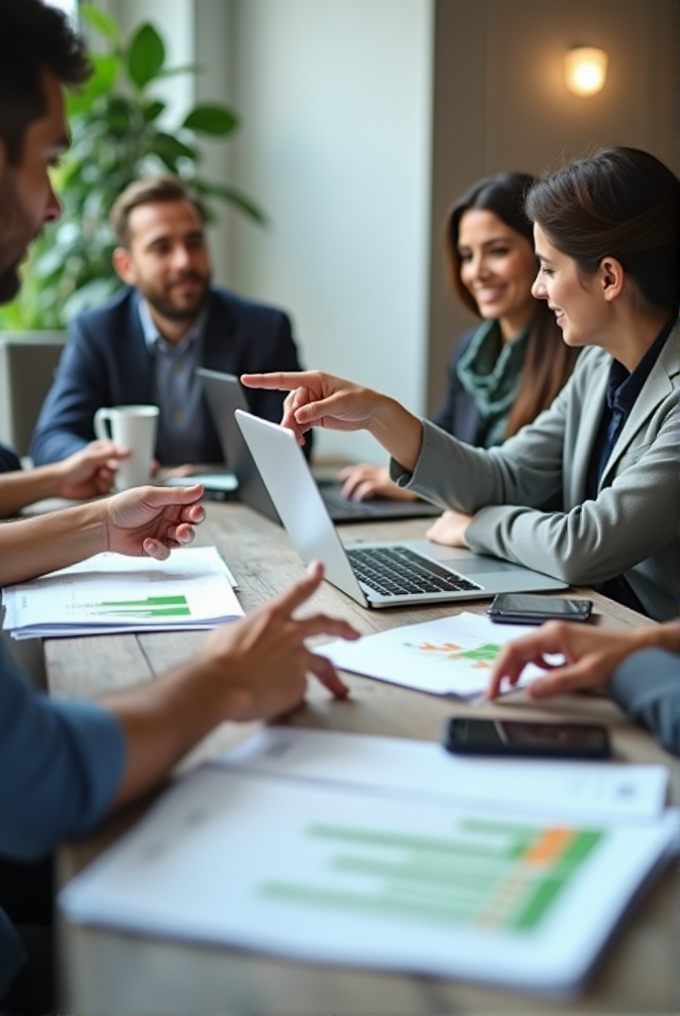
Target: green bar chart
(490, 875)
(149, 606)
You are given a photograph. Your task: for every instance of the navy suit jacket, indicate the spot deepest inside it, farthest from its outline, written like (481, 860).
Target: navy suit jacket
(106, 362)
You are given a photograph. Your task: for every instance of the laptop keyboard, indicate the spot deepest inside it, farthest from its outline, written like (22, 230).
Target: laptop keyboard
(340, 507)
(398, 571)
(344, 509)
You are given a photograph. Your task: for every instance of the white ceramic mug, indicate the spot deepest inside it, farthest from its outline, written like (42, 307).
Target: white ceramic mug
(135, 427)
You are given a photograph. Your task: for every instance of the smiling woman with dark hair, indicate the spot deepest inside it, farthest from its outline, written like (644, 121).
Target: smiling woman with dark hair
(607, 237)
(507, 369)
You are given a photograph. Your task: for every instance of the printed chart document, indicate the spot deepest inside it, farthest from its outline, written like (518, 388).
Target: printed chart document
(330, 872)
(451, 656)
(110, 592)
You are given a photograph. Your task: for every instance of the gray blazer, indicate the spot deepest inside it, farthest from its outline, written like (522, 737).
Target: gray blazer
(632, 525)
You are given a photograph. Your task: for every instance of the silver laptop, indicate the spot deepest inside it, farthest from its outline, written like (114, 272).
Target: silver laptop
(224, 395)
(381, 574)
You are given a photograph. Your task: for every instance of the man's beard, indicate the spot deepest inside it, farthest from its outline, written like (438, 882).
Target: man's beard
(16, 233)
(166, 308)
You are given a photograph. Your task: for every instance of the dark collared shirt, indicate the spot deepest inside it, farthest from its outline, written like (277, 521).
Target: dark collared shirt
(623, 389)
(177, 389)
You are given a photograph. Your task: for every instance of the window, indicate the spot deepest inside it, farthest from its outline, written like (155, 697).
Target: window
(69, 7)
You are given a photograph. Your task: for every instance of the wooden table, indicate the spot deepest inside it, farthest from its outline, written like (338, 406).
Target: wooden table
(107, 972)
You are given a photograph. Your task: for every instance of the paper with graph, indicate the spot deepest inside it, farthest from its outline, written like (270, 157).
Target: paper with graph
(335, 874)
(451, 656)
(111, 593)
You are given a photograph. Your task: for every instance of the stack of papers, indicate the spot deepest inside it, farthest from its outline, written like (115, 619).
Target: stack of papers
(451, 656)
(391, 854)
(111, 593)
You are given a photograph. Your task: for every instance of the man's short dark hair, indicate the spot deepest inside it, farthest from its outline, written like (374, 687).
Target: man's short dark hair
(145, 192)
(33, 38)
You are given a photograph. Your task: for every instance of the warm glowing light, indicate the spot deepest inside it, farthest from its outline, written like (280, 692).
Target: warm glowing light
(585, 68)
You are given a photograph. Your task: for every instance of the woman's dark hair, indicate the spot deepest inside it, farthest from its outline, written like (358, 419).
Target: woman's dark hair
(622, 203)
(33, 38)
(548, 361)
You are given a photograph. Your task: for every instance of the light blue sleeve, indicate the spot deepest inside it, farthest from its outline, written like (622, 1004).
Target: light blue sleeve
(647, 685)
(60, 765)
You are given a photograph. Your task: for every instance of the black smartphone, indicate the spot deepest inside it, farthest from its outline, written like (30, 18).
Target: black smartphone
(528, 608)
(472, 736)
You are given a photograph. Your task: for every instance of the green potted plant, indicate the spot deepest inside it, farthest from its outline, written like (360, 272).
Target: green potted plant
(117, 137)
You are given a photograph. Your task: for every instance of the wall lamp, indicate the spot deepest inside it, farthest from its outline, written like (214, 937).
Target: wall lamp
(585, 69)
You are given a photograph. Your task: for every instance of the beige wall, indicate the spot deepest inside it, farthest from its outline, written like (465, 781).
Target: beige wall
(500, 103)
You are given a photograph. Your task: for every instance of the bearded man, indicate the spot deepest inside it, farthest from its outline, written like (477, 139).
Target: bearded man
(145, 344)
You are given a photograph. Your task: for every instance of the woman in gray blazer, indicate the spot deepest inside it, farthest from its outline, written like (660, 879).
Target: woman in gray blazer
(607, 238)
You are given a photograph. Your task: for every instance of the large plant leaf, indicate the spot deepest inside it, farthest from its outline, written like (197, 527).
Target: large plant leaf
(48, 264)
(146, 55)
(100, 20)
(102, 81)
(152, 110)
(170, 149)
(234, 197)
(211, 119)
(171, 72)
(12, 317)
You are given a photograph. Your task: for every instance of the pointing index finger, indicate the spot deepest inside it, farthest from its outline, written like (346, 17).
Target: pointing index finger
(301, 590)
(278, 380)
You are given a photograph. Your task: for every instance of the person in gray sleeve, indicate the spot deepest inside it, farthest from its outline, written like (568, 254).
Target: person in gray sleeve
(607, 238)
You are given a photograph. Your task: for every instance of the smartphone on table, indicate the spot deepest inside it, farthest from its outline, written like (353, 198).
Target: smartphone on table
(528, 608)
(476, 736)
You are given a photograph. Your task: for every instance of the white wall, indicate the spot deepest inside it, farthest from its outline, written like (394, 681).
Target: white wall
(336, 100)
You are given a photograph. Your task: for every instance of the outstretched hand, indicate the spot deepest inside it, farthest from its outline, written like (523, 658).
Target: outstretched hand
(318, 400)
(591, 654)
(321, 400)
(152, 520)
(264, 656)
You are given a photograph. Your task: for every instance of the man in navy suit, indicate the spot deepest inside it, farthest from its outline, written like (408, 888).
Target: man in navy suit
(144, 345)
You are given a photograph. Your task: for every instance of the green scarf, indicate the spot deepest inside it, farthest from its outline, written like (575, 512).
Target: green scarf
(491, 371)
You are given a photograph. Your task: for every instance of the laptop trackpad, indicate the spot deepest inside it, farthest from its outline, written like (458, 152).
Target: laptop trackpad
(483, 566)
(461, 559)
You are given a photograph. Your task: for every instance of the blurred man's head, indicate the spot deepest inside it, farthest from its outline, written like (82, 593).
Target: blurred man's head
(159, 225)
(39, 52)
